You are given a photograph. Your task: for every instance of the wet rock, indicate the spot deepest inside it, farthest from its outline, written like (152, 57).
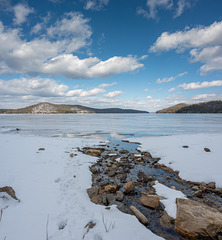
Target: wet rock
(166, 220)
(110, 188)
(129, 187)
(93, 170)
(211, 185)
(197, 221)
(94, 152)
(151, 201)
(207, 149)
(138, 215)
(9, 190)
(41, 149)
(198, 193)
(119, 196)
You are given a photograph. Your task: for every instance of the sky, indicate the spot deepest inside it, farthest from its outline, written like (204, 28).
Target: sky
(140, 54)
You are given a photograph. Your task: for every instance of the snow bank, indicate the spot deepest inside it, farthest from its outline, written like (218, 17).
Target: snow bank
(52, 187)
(170, 196)
(193, 163)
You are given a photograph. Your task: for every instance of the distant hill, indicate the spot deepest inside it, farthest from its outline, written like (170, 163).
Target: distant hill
(205, 107)
(172, 109)
(49, 108)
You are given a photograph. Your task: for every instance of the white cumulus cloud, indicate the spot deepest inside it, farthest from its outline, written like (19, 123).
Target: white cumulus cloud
(113, 94)
(204, 43)
(198, 85)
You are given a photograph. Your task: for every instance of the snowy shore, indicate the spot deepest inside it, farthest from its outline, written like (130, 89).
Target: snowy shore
(186, 154)
(51, 187)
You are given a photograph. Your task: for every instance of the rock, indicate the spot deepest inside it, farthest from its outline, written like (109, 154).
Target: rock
(211, 185)
(195, 188)
(173, 187)
(110, 199)
(93, 170)
(197, 221)
(138, 215)
(119, 196)
(93, 191)
(10, 191)
(151, 201)
(166, 220)
(93, 152)
(129, 187)
(41, 149)
(120, 206)
(109, 164)
(111, 188)
(111, 173)
(185, 146)
(207, 150)
(198, 193)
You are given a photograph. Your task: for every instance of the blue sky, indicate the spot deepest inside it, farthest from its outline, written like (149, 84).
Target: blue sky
(146, 54)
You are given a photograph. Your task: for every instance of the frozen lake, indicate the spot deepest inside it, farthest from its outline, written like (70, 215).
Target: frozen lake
(98, 125)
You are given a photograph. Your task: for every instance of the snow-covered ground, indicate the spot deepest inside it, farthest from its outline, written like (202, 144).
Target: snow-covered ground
(51, 187)
(193, 163)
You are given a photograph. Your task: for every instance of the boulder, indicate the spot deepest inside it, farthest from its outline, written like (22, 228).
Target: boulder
(151, 201)
(129, 187)
(138, 215)
(195, 220)
(9, 190)
(93, 152)
(110, 188)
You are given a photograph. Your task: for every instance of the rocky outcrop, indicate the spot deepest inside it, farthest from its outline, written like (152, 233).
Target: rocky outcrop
(197, 221)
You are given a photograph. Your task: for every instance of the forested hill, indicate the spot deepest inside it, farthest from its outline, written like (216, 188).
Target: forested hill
(205, 107)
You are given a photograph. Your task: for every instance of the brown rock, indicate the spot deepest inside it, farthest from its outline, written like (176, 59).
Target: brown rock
(197, 221)
(10, 191)
(166, 220)
(211, 185)
(119, 196)
(129, 187)
(41, 149)
(151, 201)
(111, 188)
(207, 150)
(93, 152)
(138, 215)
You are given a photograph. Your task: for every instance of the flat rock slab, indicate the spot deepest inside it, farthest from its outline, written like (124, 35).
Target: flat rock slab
(197, 221)
(151, 201)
